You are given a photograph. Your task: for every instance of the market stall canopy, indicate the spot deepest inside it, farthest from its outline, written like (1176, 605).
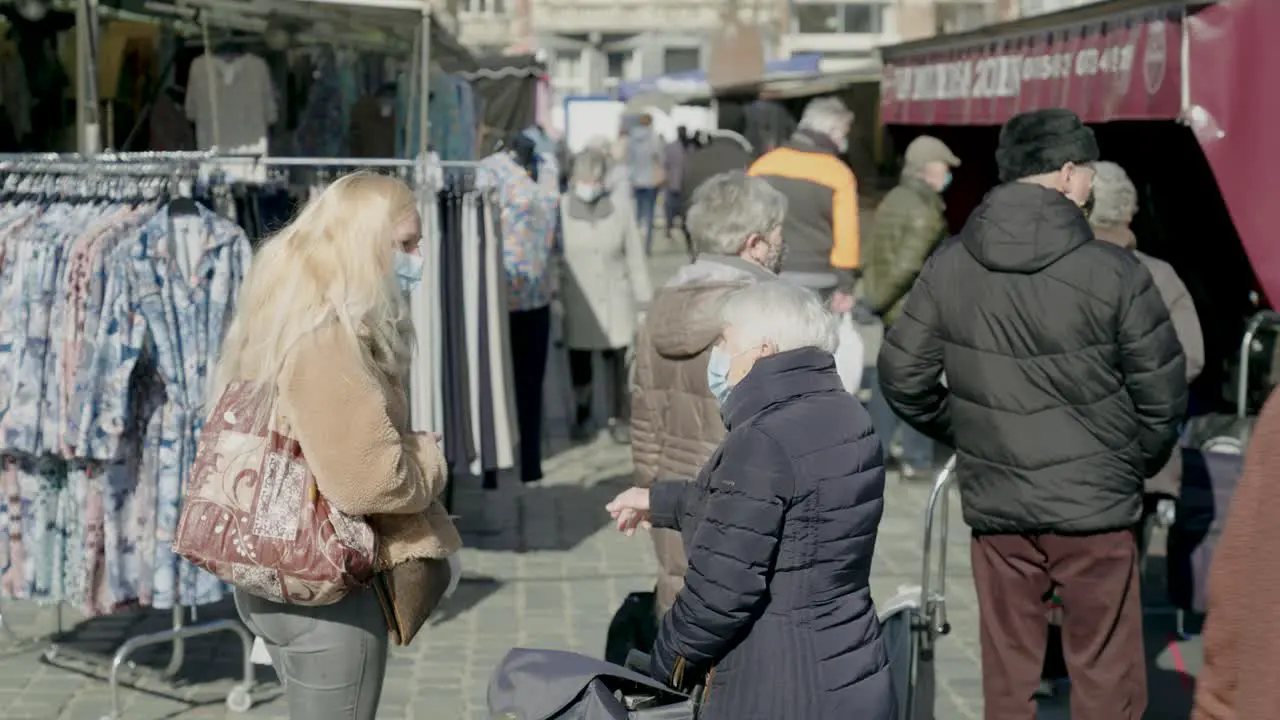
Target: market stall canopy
(1118, 60)
(507, 86)
(371, 25)
(695, 83)
(1233, 106)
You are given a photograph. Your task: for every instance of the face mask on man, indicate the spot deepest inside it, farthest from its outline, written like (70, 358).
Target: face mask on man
(408, 270)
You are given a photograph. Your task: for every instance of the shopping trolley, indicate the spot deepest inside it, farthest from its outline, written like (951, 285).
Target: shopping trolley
(914, 619)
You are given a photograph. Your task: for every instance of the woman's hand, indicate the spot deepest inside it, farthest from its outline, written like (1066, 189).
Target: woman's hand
(630, 510)
(434, 437)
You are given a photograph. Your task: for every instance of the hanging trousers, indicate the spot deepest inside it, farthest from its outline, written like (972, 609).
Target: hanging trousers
(530, 332)
(1096, 576)
(615, 367)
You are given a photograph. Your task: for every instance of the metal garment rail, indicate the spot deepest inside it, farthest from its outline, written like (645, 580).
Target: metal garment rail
(239, 698)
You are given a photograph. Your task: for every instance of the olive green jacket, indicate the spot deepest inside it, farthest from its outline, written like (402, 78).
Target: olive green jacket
(907, 226)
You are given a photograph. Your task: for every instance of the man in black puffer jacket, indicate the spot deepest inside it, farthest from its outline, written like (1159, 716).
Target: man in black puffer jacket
(1048, 360)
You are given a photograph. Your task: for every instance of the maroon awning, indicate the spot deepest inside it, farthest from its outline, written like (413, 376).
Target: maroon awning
(1112, 61)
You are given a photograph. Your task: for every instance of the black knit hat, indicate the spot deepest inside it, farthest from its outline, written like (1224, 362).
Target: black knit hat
(1042, 141)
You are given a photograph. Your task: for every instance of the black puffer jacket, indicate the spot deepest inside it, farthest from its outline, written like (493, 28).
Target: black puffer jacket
(1064, 381)
(780, 528)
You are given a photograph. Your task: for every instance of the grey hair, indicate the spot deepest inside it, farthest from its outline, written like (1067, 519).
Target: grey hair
(592, 165)
(730, 207)
(1115, 199)
(826, 115)
(782, 314)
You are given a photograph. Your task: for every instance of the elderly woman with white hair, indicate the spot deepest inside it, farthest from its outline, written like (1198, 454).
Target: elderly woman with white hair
(776, 618)
(604, 284)
(1115, 203)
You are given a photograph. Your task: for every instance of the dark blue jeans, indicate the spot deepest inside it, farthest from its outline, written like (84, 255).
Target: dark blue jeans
(646, 203)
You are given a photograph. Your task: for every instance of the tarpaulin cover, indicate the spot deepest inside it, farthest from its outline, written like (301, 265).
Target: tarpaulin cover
(507, 87)
(1235, 74)
(1125, 66)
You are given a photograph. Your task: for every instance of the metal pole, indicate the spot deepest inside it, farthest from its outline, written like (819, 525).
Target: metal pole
(424, 100)
(88, 132)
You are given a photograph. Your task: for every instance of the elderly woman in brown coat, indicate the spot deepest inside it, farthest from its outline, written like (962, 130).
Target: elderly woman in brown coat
(737, 222)
(1115, 204)
(1241, 676)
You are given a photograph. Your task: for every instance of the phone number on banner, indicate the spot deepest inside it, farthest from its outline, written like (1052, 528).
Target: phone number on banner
(1003, 75)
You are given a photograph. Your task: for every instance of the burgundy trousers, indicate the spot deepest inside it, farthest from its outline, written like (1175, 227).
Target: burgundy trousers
(1097, 579)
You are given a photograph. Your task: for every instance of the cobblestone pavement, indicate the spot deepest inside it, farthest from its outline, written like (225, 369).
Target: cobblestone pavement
(541, 570)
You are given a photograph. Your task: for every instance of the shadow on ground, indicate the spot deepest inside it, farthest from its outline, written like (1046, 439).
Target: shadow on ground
(532, 519)
(210, 665)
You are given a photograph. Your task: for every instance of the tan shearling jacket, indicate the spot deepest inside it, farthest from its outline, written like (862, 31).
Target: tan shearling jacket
(354, 430)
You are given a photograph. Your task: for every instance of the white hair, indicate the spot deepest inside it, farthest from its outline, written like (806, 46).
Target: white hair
(827, 115)
(1115, 199)
(730, 207)
(591, 166)
(781, 314)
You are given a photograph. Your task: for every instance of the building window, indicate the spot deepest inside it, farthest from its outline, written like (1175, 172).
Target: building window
(484, 7)
(961, 17)
(834, 18)
(678, 60)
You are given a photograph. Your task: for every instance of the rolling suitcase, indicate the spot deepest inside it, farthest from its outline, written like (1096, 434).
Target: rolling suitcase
(1213, 458)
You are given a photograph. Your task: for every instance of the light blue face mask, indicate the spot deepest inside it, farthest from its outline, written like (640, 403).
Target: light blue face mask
(945, 183)
(408, 270)
(718, 374)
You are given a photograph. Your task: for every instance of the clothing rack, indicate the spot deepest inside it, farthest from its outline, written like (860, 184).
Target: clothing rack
(175, 167)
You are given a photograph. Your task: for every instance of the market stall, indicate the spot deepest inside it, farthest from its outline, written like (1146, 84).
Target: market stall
(514, 93)
(1177, 93)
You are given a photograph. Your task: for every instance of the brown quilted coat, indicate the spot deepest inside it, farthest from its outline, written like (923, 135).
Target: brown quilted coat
(675, 423)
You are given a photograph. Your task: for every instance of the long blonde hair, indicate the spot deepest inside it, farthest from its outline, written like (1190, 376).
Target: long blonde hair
(332, 263)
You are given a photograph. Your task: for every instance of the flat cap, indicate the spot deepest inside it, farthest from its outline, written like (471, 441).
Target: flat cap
(926, 149)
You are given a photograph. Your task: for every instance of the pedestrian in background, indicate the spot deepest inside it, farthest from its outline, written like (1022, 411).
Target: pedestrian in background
(1048, 360)
(604, 285)
(909, 224)
(822, 201)
(720, 150)
(675, 155)
(676, 424)
(1114, 207)
(645, 164)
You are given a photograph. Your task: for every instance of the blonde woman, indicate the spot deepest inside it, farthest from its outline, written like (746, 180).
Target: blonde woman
(323, 317)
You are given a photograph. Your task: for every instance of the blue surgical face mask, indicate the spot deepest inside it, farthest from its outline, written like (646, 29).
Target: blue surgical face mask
(946, 182)
(408, 270)
(718, 373)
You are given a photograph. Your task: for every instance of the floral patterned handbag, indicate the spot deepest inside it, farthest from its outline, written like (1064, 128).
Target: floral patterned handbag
(252, 515)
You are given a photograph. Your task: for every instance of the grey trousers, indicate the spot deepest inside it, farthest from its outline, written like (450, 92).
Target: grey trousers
(331, 658)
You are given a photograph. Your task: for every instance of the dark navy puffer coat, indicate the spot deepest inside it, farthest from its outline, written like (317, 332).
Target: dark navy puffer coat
(779, 528)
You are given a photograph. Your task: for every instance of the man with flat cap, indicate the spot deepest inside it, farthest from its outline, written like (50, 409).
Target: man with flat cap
(909, 224)
(1048, 361)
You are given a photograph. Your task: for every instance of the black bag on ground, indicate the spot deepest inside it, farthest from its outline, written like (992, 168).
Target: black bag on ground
(559, 685)
(634, 627)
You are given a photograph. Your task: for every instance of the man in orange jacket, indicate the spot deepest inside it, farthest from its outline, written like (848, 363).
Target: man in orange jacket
(821, 228)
